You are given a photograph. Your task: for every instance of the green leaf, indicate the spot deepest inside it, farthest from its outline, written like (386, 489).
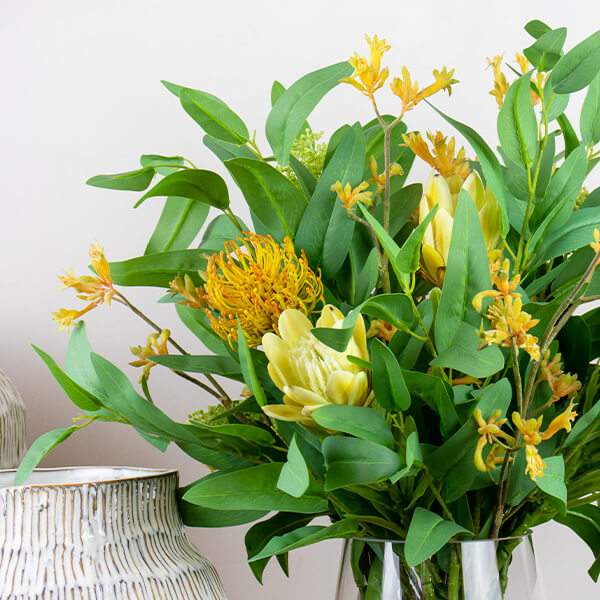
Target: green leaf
(39, 449)
(569, 135)
(490, 166)
(352, 461)
(197, 322)
(427, 534)
(319, 232)
(577, 67)
(546, 51)
(196, 184)
(388, 382)
(179, 223)
(217, 365)
(306, 536)
(589, 121)
(467, 273)
(247, 432)
(151, 160)
(359, 421)
(295, 105)
(517, 123)
(553, 481)
(220, 230)
(254, 488)
(131, 180)
(199, 516)
(270, 195)
(463, 355)
(158, 270)
(294, 477)
(537, 28)
(249, 370)
(214, 116)
(78, 364)
(226, 150)
(77, 394)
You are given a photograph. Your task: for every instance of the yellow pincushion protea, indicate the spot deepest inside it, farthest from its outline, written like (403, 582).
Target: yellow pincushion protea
(253, 282)
(311, 374)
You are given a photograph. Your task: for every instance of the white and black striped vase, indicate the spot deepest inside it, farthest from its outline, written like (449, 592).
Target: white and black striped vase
(12, 424)
(98, 533)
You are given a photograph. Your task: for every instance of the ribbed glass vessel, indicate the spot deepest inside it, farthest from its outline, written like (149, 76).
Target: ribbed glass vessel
(503, 569)
(89, 533)
(12, 424)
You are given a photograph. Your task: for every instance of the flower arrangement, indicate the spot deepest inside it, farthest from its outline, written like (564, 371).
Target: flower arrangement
(412, 357)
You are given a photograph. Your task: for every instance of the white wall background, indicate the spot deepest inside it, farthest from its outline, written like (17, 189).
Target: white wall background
(80, 95)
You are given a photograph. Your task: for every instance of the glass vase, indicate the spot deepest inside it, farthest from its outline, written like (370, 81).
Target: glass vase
(501, 569)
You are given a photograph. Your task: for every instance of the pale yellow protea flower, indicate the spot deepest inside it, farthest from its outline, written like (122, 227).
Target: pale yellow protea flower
(156, 344)
(94, 289)
(253, 282)
(311, 374)
(508, 322)
(409, 92)
(350, 197)
(443, 192)
(368, 76)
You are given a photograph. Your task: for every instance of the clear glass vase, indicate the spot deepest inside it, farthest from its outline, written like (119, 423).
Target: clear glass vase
(502, 569)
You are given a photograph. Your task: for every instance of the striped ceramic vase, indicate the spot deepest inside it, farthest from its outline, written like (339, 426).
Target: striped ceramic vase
(12, 424)
(89, 533)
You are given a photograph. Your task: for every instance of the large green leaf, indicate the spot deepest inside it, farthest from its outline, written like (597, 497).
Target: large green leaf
(427, 534)
(196, 184)
(467, 273)
(294, 478)
(553, 481)
(227, 150)
(306, 536)
(249, 369)
(211, 113)
(545, 52)
(40, 448)
(319, 230)
(577, 67)
(158, 270)
(164, 165)
(253, 489)
(463, 354)
(295, 105)
(218, 365)
(490, 166)
(270, 195)
(517, 123)
(131, 180)
(537, 28)
(199, 516)
(197, 322)
(360, 421)
(388, 382)
(78, 364)
(179, 223)
(351, 461)
(589, 121)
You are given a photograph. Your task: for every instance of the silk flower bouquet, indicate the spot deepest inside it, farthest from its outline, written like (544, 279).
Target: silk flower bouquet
(413, 365)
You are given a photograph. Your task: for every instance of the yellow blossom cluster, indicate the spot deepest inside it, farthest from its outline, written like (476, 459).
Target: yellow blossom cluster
(94, 289)
(350, 197)
(501, 84)
(508, 321)
(194, 297)
(368, 77)
(561, 384)
(252, 282)
(156, 344)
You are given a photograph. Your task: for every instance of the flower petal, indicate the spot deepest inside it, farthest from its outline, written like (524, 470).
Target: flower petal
(293, 325)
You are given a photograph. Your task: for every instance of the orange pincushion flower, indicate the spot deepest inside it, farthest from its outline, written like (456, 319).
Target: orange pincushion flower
(253, 281)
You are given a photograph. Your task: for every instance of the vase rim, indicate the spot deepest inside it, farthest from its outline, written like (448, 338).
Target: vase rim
(81, 475)
(496, 539)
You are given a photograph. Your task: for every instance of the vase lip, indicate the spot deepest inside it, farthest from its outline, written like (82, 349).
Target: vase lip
(496, 539)
(73, 476)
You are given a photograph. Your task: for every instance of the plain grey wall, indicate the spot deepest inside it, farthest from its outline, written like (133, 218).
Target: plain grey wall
(81, 96)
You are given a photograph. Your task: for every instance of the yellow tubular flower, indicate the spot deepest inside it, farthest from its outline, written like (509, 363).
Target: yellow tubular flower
(194, 296)
(379, 178)
(500, 82)
(94, 289)
(368, 77)
(381, 329)
(254, 281)
(489, 431)
(350, 197)
(595, 245)
(155, 344)
(409, 93)
(311, 374)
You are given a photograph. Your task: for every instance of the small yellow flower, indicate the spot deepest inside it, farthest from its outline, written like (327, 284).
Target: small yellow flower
(311, 374)
(595, 245)
(94, 289)
(562, 421)
(409, 93)
(535, 463)
(194, 296)
(489, 431)
(368, 77)
(155, 344)
(350, 197)
(253, 282)
(381, 329)
(379, 178)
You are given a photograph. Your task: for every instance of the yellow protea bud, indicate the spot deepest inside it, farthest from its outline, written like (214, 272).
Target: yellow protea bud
(311, 374)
